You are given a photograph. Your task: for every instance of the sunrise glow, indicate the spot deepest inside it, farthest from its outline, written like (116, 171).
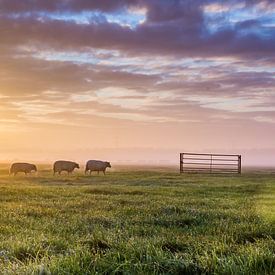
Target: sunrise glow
(137, 81)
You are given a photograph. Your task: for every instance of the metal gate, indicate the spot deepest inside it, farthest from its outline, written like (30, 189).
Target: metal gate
(210, 163)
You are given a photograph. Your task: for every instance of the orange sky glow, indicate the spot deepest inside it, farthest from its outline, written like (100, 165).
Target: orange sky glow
(137, 81)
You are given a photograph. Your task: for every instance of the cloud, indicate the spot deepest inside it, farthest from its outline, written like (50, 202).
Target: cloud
(70, 5)
(134, 69)
(171, 27)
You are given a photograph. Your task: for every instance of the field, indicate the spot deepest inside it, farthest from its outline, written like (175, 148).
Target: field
(137, 221)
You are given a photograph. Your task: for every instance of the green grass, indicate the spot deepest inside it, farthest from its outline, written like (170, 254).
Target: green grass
(137, 222)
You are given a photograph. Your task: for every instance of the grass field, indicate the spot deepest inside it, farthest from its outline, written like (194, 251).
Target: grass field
(137, 222)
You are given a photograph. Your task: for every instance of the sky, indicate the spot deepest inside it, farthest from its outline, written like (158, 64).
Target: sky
(137, 80)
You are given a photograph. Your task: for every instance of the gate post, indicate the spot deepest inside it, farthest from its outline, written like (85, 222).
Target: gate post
(211, 163)
(239, 164)
(181, 162)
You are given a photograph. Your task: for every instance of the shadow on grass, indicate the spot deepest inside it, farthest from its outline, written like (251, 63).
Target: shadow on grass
(253, 237)
(97, 246)
(97, 191)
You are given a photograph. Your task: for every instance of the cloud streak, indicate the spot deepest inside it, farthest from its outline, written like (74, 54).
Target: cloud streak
(126, 68)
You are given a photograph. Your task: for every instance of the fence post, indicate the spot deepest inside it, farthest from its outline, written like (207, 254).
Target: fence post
(239, 164)
(181, 162)
(211, 163)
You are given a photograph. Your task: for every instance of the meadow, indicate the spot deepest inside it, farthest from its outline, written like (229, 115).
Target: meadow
(137, 221)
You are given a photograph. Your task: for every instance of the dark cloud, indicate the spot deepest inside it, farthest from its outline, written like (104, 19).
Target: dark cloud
(63, 5)
(158, 9)
(172, 27)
